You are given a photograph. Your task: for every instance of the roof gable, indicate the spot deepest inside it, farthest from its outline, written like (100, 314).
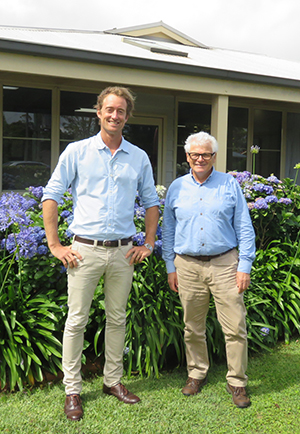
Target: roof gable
(158, 32)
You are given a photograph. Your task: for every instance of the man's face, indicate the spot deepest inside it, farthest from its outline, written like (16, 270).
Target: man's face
(113, 114)
(201, 168)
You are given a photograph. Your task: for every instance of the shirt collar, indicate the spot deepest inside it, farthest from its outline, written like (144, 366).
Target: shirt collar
(123, 146)
(207, 179)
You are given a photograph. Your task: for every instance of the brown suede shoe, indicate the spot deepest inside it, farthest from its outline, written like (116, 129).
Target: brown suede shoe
(73, 408)
(239, 396)
(193, 386)
(121, 393)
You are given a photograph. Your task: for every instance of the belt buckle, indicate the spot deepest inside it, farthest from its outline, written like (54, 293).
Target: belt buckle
(106, 243)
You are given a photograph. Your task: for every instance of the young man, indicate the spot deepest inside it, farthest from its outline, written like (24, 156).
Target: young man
(205, 218)
(105, 173)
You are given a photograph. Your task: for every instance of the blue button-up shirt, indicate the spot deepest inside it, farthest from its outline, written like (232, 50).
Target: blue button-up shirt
(104, 187)
(207, 219)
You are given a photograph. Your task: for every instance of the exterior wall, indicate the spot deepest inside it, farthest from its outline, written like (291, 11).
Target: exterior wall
(157, 96)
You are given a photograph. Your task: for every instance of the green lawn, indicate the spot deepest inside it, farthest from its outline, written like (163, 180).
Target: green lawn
(273, 386)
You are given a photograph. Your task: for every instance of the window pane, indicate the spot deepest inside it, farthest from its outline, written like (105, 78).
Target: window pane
(267, 135)
(78, 118)
(192, 118)
(26, 137)
(237, 139)
(292, 145)
(146, 138)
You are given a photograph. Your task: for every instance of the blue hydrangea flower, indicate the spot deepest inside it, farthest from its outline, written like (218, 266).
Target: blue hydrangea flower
(264, 331)
(274, 179)
(260, 203)
(257, 186)
(139, 211)
(42, 250)
(285, 200)
(271, 199)
(159, 232)
(65, 214)
(36, 191)
(268, 189)
(158, 248)
(139, 238)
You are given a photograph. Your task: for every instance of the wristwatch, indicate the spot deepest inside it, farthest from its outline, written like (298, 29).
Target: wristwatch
(149, 247)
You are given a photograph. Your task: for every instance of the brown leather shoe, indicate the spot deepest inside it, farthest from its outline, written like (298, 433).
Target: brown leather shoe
(73, 408)
(193, 386)
(121, 393)
(239, 396)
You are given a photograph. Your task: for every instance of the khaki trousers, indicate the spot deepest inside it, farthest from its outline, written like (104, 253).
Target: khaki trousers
(196, 281)
(82, 282)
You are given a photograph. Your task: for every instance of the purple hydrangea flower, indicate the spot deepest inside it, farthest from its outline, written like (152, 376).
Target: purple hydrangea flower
(257, 186)
(159, 232)
(268, 189)
(271, 199)
(139, 211)
(260, 203)
(36, 191)
(274, 179)
(158, 248)
(65, 214)
(264, 331)
(139, 238)
(285, 200)
(42, 250)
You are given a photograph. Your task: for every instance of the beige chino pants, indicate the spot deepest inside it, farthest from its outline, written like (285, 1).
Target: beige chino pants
(196, 281)
(82, 282)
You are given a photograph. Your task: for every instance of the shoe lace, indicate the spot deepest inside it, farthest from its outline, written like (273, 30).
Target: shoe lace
(75, 400)
(239, 391)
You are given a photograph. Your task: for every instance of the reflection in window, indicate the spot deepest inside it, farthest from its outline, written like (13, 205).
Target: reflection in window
(292, 145)
(26, 137)
(237, 139)
(267, 135)
(78, 118)
(146, 138)
(192, 118)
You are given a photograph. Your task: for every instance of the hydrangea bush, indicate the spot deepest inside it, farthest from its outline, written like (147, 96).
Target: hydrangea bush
(33, 299)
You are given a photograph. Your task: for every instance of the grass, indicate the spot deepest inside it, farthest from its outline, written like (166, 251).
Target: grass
(273, 387)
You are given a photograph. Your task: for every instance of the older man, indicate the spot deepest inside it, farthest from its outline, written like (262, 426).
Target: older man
(105, 172)
(205, 219)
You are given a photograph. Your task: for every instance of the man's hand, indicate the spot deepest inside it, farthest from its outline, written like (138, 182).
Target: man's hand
(173, 281)
(66, 255)
(242, 281)
(138, 254)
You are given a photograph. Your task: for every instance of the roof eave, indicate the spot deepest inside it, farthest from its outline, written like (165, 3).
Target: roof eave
(139, 63)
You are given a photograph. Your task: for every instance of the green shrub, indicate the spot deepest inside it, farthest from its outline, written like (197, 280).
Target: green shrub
(33, 288)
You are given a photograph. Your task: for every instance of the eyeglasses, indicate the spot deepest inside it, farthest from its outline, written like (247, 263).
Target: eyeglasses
(194, 156)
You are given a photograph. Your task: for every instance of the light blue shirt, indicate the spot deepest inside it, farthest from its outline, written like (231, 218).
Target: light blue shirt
(104, 187)
(207, 219)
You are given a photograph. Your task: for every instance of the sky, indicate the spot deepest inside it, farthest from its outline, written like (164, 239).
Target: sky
(268, 27)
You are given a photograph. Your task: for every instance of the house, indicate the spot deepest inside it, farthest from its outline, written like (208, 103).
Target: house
(50, 79)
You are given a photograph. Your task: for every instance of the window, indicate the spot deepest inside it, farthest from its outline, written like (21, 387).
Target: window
(267, 135)
(192, 118)
(26, 137)
(292, 145)
(237, 139)
(146, 133)
(78, 118)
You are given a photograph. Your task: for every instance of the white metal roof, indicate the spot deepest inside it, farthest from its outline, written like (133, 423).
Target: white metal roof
(144, 48)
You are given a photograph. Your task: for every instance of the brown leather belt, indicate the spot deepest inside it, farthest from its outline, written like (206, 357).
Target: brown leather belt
(104, 243)
(208, 258)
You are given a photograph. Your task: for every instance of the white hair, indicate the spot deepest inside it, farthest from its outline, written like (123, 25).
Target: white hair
(201, 139)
